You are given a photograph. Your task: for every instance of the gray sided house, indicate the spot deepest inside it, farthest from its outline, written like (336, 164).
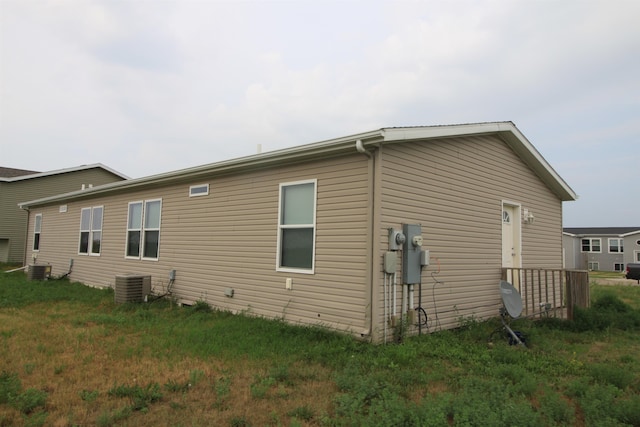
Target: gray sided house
(18, 185)
(303, 234)
(601, 248)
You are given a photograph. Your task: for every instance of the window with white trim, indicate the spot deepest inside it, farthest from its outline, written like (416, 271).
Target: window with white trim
(199, 190)
(636, 256)
(296, 227)
(593, 266)
(591, 245)
(90, 231)
(616, 246)
(143, 230)
(618, 267)
(37, 228)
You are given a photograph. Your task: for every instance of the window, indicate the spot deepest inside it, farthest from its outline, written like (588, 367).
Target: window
(593, 266)
(506, 218)
(618, 267)
(143, 230)
(199, 190)
(90, 231)
(296, 227)
(591, 245)
(134, 229)
(37, 227)
(616, 246)
(636, 256)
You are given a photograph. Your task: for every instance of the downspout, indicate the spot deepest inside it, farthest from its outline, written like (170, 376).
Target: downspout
(360, 149)
(26, 235)
(368, 331)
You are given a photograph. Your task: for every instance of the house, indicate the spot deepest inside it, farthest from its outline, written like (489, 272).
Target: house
(17, 185)
(601, 248)
(327, 233)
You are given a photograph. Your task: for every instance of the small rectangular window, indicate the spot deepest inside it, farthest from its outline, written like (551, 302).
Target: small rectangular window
(199, 190)
(616, 245)
(618, 267)
(90, 231)
(594, 266)
(37, 228)
(85, 229)
(151, 229)
(296, 234)
(96, 230)
(591, 245)
(134, 230)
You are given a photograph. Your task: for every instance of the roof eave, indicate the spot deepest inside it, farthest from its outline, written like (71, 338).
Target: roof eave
(334, 147)
(323, 149)
(505, 130)
(67, 170)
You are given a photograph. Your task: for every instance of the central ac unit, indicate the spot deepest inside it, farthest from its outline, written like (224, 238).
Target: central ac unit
(38, 272)
(132, 288)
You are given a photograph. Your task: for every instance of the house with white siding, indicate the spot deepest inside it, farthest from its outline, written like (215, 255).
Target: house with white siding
(350, 233)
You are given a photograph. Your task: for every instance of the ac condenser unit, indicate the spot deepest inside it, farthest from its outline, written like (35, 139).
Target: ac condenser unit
(132, 288)
(38, 272)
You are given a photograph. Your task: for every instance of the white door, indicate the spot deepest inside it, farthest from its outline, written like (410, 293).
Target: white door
(511, 240)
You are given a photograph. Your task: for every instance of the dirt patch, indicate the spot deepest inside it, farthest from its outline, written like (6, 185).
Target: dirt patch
(617, 282)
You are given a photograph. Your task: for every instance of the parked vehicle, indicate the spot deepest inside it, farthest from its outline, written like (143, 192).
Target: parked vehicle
(633, 272)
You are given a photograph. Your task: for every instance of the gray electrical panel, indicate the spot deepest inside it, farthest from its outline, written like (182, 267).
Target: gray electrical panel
(412, 254)
(390, 262)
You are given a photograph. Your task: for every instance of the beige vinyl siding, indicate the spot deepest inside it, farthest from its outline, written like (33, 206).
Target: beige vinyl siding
(228, 239)
(455, 189)
(13, 220)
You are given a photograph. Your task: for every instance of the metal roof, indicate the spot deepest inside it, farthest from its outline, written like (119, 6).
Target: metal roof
(32, 175)
(601, 231)
(507, 131)
(12, 173)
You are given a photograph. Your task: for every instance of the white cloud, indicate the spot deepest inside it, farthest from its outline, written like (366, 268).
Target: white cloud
(151, 87)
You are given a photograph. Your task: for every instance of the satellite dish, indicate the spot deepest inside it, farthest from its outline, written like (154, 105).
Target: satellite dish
(511, 299)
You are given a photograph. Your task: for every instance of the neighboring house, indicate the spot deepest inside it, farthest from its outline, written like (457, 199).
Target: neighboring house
(601, 248)
(302, 234)
(18, 185)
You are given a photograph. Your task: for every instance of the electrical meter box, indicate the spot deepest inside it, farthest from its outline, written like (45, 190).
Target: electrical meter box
(412, 254)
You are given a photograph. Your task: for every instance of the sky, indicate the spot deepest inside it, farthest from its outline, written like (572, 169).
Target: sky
(147, 87)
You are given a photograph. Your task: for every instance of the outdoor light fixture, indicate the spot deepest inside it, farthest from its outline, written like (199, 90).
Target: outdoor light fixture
(528, 217)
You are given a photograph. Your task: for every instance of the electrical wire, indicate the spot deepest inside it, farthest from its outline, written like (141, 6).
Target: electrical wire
(422, 314)
(159, 297)
(65, 275)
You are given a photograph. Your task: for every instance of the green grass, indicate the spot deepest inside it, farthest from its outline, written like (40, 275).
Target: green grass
(175, 365)
(595, 274)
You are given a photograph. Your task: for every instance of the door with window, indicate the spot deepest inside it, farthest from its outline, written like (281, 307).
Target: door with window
(511, 250)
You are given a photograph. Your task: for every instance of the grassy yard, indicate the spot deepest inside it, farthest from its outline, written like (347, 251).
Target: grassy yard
(69, 356)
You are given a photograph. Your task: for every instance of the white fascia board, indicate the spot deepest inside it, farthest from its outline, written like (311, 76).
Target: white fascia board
(347, 144)
(507, 131)
(521, 145)
(315, 150)
(444, 131)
